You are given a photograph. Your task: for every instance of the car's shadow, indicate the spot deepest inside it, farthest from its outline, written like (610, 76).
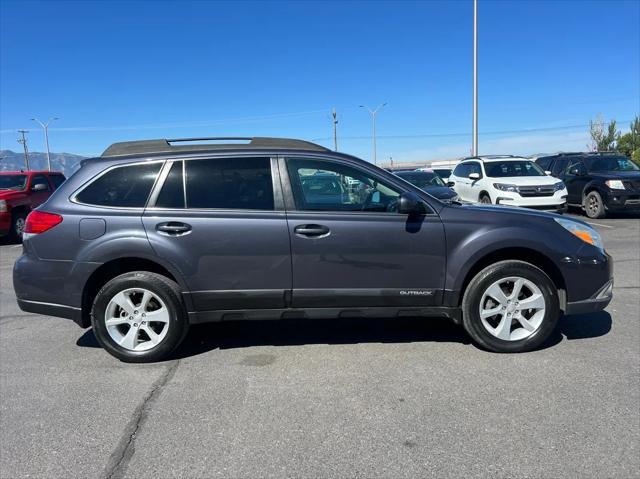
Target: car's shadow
(6, 240)
(618, 215)
(294, 332)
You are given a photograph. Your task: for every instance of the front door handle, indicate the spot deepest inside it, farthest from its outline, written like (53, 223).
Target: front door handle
(311, 231)
(173, 228)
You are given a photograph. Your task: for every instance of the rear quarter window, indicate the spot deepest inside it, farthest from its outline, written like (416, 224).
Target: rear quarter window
(123, 186)
(57, 180)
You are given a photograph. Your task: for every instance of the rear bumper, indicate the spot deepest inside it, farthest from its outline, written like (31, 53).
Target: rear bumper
(51, 309)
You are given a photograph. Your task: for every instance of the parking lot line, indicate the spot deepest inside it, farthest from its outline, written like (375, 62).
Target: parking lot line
(598, 224)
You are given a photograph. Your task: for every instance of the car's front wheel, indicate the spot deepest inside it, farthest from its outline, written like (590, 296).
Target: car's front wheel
(510, 306)
(485, 199)
(139, 317)
(594, 206)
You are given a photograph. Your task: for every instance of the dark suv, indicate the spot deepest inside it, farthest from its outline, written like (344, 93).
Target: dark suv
(597, 182)
(156, 235)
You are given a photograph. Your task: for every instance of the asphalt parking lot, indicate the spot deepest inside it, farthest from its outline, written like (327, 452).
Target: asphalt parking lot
(389, 398)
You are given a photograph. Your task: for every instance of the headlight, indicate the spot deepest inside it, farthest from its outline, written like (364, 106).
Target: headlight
(585, 233)
(559, 186)
(504, 187)
(615, 184)
(3, 206)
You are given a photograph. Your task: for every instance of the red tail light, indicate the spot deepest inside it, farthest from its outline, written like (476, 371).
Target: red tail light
(40, 221)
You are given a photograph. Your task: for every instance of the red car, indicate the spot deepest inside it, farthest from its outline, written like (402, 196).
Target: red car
(20, 192)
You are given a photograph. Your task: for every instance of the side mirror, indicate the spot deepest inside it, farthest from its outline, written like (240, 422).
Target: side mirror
(451, 184)
(410, 204)
(575, 171)
(474, 176)
(39, 187)
(548, 173)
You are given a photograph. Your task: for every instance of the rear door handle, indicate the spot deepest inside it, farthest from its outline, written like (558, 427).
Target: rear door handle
(173, 228)
(311, 231)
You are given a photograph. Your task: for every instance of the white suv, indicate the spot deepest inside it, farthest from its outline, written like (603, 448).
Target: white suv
(507, 180)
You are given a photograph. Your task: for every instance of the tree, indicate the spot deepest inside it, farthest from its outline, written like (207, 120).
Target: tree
(603, 138)
(629, 143)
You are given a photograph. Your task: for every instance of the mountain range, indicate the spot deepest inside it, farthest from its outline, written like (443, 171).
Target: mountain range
(14, 161)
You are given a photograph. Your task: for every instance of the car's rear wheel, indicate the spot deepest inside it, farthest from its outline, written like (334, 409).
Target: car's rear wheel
(139, 317)
(594, 206)
(18, 221)
(510, 306)
(485, 199)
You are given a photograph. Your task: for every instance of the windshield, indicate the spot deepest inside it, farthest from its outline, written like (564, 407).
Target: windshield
(13, 182)
(503, 169)
(613, 163)
(422, 179)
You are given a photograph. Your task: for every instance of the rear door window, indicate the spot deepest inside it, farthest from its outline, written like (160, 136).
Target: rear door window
(560, 166)
(229, 183)
(123, 186)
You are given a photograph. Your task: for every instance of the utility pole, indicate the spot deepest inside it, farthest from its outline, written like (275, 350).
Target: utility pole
(474, 149)
(373, 120)
(23, 140)
(334, 114)
(45, 127)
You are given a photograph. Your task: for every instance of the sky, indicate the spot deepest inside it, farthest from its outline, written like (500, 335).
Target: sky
(116, 71)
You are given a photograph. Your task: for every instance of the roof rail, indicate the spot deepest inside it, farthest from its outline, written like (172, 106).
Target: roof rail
(490, 157)
(595, 153)
(221, 143)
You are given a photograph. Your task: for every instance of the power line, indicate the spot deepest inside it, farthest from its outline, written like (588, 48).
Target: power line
(187, 124)
(466, 133)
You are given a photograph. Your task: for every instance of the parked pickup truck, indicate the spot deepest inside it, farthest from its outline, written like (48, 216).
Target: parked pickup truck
(20, 192)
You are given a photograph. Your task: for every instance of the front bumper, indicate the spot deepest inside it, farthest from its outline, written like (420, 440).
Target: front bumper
(596, 303)
(550, 203)
(623, 200)
(5, 223)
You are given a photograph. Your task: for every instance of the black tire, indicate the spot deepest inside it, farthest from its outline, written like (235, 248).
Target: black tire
(485, 199)
(485, 278)
(17, 225)
(594, 206)
(167, 290)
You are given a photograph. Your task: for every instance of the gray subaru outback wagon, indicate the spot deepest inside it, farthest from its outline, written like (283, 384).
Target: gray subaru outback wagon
(156, 235)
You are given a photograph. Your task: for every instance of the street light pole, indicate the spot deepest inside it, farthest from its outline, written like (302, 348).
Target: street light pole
(474, 149)
(45, 127)
(373, 120)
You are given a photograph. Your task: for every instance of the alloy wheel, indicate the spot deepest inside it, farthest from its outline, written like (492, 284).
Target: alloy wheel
(512, 308)
(137, 319)
(594, 204)
(19, 226)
